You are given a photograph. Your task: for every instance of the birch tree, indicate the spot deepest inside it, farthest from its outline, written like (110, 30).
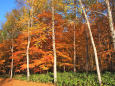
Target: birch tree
(93, 44)
(111, 23)
(75, 36)
(53, 42)
(12, 62)
(27, 52)
(30, 23)
(11, 28)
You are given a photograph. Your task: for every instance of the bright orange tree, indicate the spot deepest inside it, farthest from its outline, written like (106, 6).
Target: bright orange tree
(41, 55)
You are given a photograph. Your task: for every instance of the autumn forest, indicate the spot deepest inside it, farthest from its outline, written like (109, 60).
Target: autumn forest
(59, 36)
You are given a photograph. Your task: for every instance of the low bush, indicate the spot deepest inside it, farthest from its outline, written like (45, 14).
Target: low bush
(72, 79)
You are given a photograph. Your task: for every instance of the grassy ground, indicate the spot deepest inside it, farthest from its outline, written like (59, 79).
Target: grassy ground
(72, 79)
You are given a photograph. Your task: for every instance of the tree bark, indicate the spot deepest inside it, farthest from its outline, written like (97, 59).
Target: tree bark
(74, 49)
(12, 50)
(87, 53)
(27, 53)
(111, 27)
(99, 37)
(30, 24)
(111, 23)
(93, 44)
(53, 42)
(74, 42)
(11, 72)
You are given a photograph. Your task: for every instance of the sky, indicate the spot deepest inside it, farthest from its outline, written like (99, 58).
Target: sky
(6, 6)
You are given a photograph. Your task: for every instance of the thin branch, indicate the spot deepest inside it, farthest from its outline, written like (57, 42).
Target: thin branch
(97, 12)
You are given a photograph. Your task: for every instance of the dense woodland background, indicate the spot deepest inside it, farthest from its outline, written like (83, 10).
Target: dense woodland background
(26, 36)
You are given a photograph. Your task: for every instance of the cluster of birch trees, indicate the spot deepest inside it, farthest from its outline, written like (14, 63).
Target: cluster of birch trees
(70, 10)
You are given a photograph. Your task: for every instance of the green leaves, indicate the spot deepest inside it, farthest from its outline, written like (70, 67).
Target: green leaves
(70, 79)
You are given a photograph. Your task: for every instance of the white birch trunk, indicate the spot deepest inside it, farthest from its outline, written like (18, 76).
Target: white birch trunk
(12, 62)
(11, 72)
(30, 24)
(53, 42)
(74, 49)
(27, 53)
(74, 42)
(111, 23)
(93, 44)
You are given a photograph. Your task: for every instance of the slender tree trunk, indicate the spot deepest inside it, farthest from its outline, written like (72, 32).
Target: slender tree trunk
(99, 37)
(92, 41)
(11, 72)
(74, 42)
(111, 22)
(74, 50)
(87, 54)
(111, 27)
(27, 52)
(64, 68)
(30, 24)
(54, 48)
(12, 62)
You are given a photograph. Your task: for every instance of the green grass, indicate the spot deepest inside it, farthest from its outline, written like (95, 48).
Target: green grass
(72, 79)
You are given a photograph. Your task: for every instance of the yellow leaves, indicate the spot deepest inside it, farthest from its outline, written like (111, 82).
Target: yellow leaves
(18, 53)
(67, 8)
(23, 20)
(35, 49)
(48, 58)
(44, 63)
(14, 57)
(42, 38)
(49, 65)
(63, 45)
(66, 64)
(2, 61)
(31, 65)
(24, 66)
(40, 4)
(38, 62)
(64, 55)
(43, 67)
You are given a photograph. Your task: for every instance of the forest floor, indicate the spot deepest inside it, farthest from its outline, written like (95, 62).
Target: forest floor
(13, 82)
